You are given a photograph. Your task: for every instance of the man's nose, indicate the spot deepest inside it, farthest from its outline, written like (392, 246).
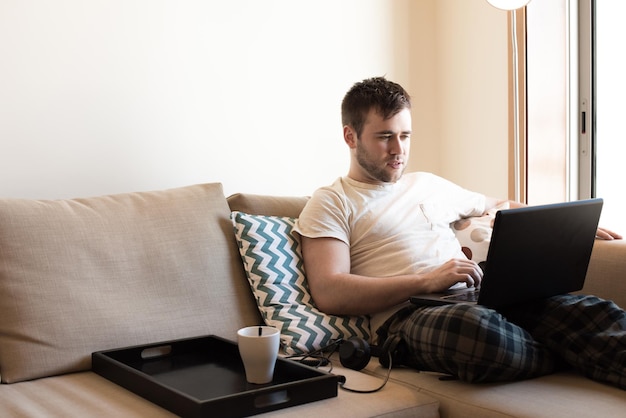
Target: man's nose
(395, 145)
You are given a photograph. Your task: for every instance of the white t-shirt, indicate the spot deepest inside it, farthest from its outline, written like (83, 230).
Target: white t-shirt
(392, 229)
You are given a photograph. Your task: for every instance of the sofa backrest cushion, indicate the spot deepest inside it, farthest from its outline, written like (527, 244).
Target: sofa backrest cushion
(83, 275)
(288, 206)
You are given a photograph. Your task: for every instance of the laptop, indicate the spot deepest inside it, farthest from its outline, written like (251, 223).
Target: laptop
(535, 252)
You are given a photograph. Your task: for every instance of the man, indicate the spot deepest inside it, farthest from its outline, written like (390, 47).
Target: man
(377, 236)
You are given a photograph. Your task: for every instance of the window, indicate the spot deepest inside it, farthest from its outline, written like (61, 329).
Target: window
(548, 87)
(602, 89)
(576, 146)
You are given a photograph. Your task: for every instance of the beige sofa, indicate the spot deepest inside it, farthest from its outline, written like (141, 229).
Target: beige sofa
(84, 275)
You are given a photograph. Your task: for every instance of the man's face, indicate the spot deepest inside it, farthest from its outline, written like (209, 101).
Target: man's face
(381, 153)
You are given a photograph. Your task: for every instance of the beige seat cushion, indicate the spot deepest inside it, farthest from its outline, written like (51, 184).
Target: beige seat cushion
(83, 275)
(560, 395)
(90, 395)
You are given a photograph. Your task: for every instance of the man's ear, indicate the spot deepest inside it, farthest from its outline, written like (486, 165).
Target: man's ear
(349, 135)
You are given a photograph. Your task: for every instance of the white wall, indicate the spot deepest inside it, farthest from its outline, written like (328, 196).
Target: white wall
(472, 65)
(109, 96)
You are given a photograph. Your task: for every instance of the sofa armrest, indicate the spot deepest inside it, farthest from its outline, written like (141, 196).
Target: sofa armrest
(606, 275)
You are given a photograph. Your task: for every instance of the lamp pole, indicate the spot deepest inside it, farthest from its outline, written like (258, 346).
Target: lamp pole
(510, 6)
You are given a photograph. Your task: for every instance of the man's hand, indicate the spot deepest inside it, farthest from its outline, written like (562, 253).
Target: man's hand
(607, 234)
(455, 271)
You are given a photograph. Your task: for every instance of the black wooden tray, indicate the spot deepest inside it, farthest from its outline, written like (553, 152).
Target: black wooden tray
(204, 376)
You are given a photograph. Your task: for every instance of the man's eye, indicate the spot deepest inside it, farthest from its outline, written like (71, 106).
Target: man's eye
(384, 137)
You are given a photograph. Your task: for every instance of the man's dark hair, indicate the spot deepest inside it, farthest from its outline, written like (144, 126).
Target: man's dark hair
(387, 97)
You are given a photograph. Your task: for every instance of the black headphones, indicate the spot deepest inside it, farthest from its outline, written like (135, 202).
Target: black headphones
(355, 352)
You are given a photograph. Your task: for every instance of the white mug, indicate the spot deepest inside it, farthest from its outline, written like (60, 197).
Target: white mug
(258, 347)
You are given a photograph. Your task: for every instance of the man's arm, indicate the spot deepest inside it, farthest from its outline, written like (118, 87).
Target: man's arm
(492, 202)
(602, 233)
(336, 291)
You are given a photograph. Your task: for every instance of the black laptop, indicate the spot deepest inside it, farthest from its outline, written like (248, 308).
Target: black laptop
(535, 252)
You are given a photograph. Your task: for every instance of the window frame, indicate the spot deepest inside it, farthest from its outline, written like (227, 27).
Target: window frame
(585, 139)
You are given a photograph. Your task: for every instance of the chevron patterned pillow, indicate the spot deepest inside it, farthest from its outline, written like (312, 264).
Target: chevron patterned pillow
(271, 256)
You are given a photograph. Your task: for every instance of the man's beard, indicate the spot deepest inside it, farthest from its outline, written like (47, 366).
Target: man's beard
(376, 172)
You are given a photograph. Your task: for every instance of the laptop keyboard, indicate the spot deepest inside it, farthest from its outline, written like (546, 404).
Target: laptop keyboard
(471, 296)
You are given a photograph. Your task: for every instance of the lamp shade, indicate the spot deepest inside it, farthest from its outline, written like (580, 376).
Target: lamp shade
(508, 4)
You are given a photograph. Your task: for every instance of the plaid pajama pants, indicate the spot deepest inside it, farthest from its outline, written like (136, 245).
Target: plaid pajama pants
(477, 344)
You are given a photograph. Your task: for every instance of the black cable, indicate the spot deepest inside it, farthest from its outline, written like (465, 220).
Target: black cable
(342, 382)
(317, 359)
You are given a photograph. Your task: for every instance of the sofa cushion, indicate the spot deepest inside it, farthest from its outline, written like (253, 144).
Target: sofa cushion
(565, 394)
(289, 206)
(83, 275)
(605, 275)
(474, 234)
(87, 394)
(270, 251)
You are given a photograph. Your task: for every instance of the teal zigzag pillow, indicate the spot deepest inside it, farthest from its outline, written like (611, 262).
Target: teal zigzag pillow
(270, 251)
